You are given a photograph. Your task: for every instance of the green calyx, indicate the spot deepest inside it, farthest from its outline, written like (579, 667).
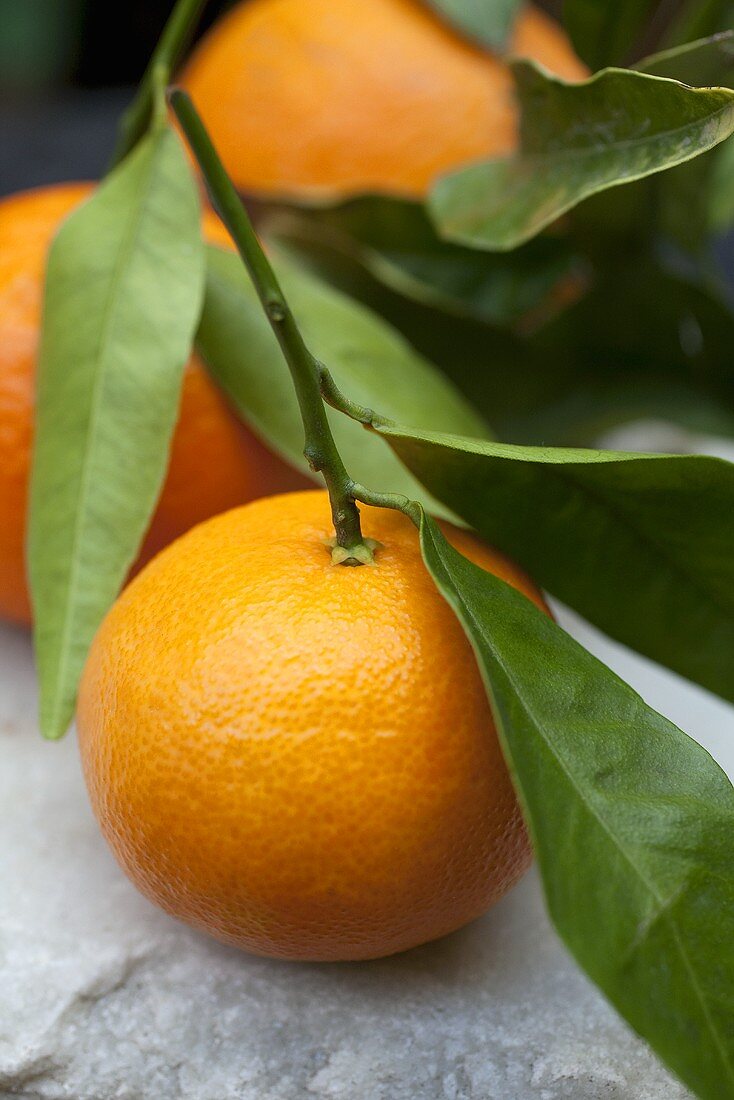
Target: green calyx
(362, 553)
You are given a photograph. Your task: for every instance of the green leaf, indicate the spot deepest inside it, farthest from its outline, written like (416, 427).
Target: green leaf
(605, 33)
(487, 21)
(394, 240)
(631, 823)
(577, 140)
(640, 545)
(123, 292)
(366, 356)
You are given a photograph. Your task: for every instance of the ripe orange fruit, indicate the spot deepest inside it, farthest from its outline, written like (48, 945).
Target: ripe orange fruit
(296, 757)
(237, 466)
(339, 96)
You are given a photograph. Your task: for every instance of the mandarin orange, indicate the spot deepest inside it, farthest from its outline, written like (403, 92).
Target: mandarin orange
(340, 96)
(215, 462)
(299, 757)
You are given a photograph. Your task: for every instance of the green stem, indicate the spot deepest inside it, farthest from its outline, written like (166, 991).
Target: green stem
(320, 449)
(399, 503)
(333, 396)
(370, 419)
(171, 45)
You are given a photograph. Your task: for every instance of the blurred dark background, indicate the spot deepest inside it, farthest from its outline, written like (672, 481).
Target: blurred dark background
(67, 68)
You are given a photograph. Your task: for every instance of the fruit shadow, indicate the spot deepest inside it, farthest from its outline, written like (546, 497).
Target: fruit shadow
(513, 937)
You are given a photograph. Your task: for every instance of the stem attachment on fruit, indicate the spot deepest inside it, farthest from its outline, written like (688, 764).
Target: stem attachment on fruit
(320, 449)
(173, 41)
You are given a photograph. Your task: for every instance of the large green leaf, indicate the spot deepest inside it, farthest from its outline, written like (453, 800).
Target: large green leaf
(631, 823)
(578, 140)
(641, 545)
(605, 33)
(488, 21)
(395, 241)
(366, 356)
(123, 293)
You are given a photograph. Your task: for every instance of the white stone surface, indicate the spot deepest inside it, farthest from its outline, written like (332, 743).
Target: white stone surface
(104, 998)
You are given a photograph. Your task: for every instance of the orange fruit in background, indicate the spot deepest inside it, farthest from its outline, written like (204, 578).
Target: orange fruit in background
(296, 757)
(339, 96)
(215, 462)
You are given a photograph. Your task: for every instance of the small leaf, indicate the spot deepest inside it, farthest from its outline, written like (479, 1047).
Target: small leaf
(605, 33)
(631, 822)
(367, 357)
(394, 240)
(487, 21)
(640, 545)
(577, 140)
(123, 292)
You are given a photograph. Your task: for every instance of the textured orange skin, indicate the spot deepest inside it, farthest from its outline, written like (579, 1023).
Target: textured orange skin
(215, 463)
(340, 96)
(297, 757)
